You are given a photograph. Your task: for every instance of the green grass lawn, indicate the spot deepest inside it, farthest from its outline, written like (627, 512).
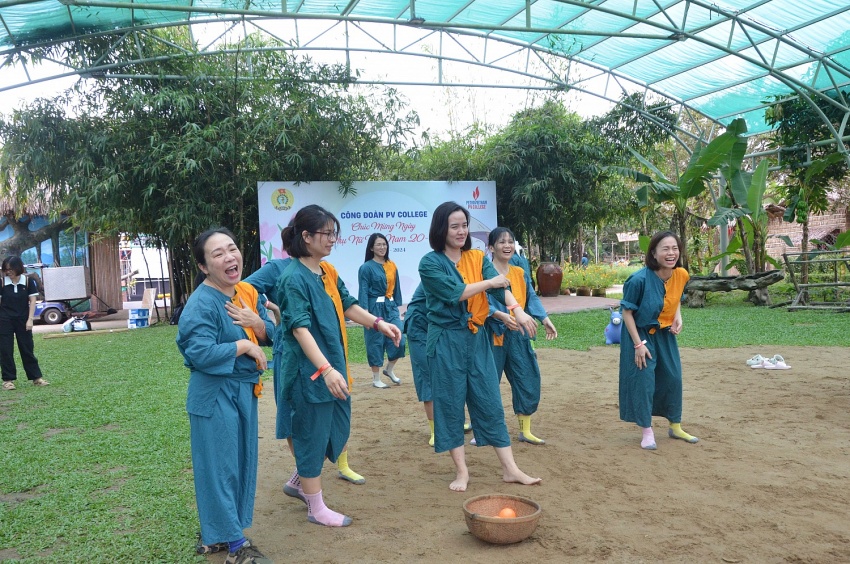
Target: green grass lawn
(97, 467)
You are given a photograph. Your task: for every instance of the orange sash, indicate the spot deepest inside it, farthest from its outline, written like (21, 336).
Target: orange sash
(470, 266)
(390, 270)
(673, 289)
(516, 276)
(246, 293)
(330, 282)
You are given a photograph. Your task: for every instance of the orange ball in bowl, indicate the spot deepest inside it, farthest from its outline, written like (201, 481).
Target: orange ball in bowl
(507, 513)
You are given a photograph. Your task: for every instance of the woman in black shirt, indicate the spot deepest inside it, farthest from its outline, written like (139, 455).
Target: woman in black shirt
(17, 304)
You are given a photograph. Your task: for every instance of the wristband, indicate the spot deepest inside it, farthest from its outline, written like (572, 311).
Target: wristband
(377, 320)
(640, 344)
(513, 307)
(320, 371)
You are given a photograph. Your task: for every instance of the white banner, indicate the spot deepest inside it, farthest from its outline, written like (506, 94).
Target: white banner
(401, 211)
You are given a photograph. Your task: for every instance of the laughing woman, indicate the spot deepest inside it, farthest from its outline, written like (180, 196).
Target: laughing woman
(456, 281)
(314, 303)
(512, 350)
(650, 366)
(225, 363)
(380, 295)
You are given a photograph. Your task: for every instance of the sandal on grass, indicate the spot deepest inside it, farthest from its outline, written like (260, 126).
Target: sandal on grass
(8, 385)
(40, 382)
(201, 548)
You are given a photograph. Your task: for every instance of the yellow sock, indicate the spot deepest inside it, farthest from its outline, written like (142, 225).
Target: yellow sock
(677, 432)
(431, 424)
(347, 473)
(525, 431)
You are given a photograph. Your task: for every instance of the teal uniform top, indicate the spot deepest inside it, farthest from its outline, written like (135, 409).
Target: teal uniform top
(206, 337)
(305, 303)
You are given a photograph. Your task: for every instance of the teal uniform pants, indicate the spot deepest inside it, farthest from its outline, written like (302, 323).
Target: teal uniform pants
(463, 372)
(224, 463)
(657, 389)
(518, 361)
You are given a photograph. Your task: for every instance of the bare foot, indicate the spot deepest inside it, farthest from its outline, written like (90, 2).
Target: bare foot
(461, 481)
(520, 477)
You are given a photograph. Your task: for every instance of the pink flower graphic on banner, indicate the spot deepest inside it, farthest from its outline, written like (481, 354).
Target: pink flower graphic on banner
(269, 232)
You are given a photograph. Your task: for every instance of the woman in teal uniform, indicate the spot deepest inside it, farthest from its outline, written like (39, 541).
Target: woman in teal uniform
(455, 279)
(512, 350)
(416, 329)
(225, 363)
(650, 366)
(265, 282)
(314, 305)
(380, 294)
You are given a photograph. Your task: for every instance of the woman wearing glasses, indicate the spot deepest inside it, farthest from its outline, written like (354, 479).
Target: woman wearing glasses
(314, 303)
(380, 294)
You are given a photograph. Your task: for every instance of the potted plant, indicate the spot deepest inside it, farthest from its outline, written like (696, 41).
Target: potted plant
(575, 279)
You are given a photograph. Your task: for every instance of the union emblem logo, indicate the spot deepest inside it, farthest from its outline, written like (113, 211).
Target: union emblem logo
(282, 199)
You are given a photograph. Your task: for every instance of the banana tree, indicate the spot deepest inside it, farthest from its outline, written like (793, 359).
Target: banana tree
(744, 204)
(704, 162)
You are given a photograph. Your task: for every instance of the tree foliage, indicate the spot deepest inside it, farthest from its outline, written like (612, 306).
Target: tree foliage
(170, 157)
(812, 166)
(548, 165)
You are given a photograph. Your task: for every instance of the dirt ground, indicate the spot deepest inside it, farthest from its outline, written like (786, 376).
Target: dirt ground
(768, 481)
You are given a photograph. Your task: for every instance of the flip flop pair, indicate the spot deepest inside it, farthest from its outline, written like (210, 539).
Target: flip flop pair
(776, 362)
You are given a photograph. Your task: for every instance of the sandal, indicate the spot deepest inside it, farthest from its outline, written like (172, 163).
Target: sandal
(756, 360)
(201, 548)
(8, 385)
(40, 382)
(776, 363)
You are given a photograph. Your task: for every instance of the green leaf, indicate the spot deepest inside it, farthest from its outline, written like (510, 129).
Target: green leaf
(708, 160)
(647, 164)
(643, 242)
(635, 175)
(725, 215)
(739, 185)
(819, 165)
(735, 244)
(758, 184)
(791, 210)
(842, 240)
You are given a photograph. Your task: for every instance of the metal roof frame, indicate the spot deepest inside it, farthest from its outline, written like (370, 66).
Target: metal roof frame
(528, 40)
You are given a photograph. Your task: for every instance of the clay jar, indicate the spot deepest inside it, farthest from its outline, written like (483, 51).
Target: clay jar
(549, 277)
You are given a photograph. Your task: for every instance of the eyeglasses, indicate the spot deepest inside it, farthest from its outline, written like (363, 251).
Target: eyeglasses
(328, 234)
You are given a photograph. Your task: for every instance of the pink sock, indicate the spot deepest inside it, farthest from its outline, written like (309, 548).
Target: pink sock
(648, 440)
(318, 512)
(295, 480)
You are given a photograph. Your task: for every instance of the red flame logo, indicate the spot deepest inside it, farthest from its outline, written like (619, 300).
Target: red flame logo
(475, 193)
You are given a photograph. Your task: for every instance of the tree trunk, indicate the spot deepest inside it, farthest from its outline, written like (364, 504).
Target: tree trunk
(23, 238)
(682, 228)
(748, 256)
(804, 268)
